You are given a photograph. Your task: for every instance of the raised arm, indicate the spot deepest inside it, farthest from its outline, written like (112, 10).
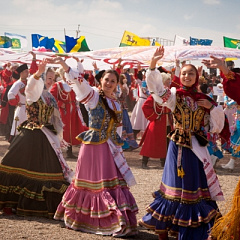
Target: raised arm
(215, 62)
(35, 84)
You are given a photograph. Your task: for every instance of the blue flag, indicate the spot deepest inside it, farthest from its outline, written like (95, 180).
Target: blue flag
(41, 43)
(76, 44)
(196, 41)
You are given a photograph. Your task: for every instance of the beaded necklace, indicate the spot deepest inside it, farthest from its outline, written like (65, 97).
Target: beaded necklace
(64, 96)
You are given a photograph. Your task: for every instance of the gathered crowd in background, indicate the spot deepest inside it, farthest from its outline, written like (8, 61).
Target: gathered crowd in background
(183, 116)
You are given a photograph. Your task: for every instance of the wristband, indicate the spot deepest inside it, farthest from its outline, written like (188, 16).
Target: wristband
(36, 77)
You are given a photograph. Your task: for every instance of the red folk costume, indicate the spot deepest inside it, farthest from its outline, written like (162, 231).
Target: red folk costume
(5, 82)
(154, 140)
(70, 112)
(231, 85)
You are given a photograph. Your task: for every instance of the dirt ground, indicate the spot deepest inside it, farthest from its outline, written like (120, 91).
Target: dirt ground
(32, 228)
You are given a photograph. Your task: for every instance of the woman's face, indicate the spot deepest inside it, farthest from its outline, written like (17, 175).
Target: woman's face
(49, 79)
(188, 76)
(109, 83)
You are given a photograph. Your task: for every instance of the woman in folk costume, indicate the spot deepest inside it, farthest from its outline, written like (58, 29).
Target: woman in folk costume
(33, 172)
(228, 226)
(127, 133)
(185, 203)
(70, 112)
(154, 140)
(98, 200)
(138, 120)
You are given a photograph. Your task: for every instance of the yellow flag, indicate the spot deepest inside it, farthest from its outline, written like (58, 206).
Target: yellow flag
(131, 39)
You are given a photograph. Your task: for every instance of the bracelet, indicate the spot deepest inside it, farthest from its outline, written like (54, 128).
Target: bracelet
(212, 107)
(36, 77)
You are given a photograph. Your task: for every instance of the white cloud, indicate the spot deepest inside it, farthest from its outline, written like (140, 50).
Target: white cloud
(211, 2)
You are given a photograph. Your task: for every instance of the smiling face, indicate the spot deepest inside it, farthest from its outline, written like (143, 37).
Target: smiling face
(109, 83)
(188, 75)
(50, 76)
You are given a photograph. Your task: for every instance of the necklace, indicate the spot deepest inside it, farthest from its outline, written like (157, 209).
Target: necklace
(62, 94)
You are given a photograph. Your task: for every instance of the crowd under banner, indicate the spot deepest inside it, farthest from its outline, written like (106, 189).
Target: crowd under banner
(130, 55)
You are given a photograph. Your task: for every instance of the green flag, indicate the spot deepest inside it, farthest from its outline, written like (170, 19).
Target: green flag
(16, 43)
(231, 42)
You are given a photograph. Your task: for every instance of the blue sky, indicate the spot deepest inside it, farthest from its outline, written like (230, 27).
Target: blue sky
(103, 22)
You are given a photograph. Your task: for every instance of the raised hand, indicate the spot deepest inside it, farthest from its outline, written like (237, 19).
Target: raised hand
(215, 62)
(57, 60)
(159, 53)
(42, 66)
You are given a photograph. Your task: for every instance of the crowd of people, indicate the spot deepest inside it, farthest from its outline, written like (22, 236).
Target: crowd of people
(183, 117)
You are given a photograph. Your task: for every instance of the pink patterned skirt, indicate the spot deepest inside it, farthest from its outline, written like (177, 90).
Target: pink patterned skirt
(98, 199)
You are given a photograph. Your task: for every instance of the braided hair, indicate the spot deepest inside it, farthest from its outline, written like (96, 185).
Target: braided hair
(103, 97)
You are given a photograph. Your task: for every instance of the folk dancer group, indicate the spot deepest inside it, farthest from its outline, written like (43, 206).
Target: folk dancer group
(36, 180)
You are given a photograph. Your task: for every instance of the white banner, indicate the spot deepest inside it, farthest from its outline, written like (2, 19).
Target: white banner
(130, 55)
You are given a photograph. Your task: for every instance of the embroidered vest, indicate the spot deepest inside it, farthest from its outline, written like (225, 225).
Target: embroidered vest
(188, 120)
(101, 126)
(38, 115)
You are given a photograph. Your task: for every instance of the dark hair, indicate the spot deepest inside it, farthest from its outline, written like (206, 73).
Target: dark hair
(140, 75)
(204, 88)
(230, 63)
(86, 76)
(98, 76)
(103, 97)
(162, 69)
(236, 70)
(113, 72)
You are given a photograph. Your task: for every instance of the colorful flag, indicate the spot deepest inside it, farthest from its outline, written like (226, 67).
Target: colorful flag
(5, 42)
(76, 44)
(131, 39)
(59, 46)
(41, 43)
(231, 42)
(180, 41)
(196, 41)
(18, 41)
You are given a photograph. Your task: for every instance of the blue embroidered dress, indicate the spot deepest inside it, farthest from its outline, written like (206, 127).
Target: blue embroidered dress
(185, 202)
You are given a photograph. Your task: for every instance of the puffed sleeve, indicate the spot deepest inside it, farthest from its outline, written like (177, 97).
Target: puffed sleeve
(163, 96)
(84, 92)
(33, 89)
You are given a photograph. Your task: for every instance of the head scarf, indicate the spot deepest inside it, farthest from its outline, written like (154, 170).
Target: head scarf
(193, 91)
(194, 94)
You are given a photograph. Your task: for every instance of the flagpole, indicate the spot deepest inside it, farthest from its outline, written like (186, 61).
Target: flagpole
(78, 31)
